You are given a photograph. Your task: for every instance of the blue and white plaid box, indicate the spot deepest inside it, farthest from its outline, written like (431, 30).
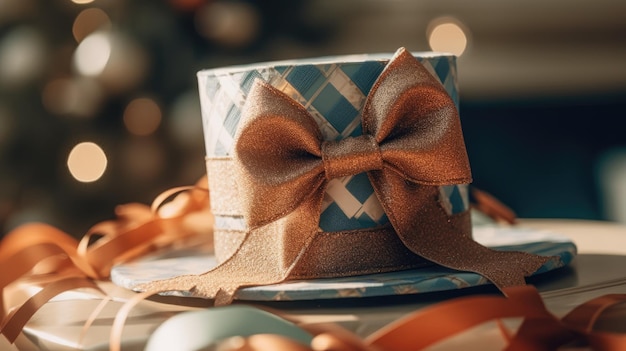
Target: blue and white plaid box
(333, 90)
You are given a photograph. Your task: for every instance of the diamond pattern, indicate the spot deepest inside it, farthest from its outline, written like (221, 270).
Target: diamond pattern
(363, 74)
(232, 120)
(334, 94)
(358, 182)
(329, 102)
(306, 79)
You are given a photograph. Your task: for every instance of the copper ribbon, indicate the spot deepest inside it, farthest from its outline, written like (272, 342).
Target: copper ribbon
(57, 262)
(411, 144)
(540, 330)
(426, 327)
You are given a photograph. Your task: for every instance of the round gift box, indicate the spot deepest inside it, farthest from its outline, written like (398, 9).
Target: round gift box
(303, 232)
(333, 90)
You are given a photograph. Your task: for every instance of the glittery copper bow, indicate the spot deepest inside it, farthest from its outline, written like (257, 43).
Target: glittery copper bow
(411, 144)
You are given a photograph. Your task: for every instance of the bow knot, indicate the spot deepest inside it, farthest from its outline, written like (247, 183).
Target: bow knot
(351, 156)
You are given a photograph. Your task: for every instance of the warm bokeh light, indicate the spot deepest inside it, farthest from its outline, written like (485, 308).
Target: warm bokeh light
(78, 97)
(87, 162)
(92, 54)
(447, 35)
(82, 2)
(89, 21)
(22, 53)
(233, 24)
(113, 58)
(142, 116)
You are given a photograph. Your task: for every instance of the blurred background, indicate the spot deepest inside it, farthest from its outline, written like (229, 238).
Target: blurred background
(99, 106)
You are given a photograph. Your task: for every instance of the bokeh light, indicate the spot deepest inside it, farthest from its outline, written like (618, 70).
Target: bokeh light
(87, 162)
(113, 58)
(142, 116)
(232, 24)
(447, 34)
(22, 53)
(92, 54)
(89, 21)
(76, 97)
(82, 2)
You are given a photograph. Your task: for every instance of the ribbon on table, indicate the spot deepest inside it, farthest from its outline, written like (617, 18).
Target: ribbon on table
(57, 262)
(411, 145)
(539, 330)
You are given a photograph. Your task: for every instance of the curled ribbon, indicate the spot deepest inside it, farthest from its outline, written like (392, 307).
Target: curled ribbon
(411, 145)
(58, 262)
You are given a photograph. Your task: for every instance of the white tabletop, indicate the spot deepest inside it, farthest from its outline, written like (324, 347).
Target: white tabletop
(591, 237)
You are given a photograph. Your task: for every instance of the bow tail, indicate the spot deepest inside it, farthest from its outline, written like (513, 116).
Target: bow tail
(428, 231)
(266, 256)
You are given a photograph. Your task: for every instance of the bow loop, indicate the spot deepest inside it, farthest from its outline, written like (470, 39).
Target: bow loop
(278, 153)
(417, 124)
